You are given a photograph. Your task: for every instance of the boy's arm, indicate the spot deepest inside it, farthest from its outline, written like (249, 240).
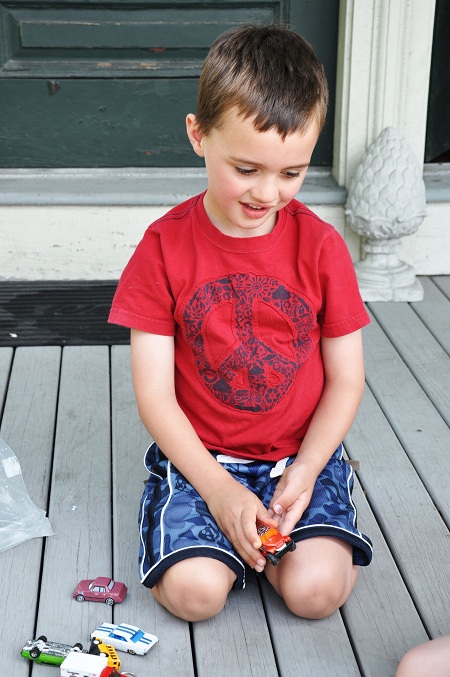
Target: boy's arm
(342, 394)
(234, 507)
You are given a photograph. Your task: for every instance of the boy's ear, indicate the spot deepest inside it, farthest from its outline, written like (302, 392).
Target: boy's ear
(194, 134)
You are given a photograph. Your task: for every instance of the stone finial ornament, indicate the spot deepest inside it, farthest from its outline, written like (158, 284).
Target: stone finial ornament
(386, 201)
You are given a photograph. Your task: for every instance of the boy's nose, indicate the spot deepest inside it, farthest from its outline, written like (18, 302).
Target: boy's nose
(265, 191)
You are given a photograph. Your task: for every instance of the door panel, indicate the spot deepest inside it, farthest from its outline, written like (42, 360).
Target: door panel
(129, 39)
(437, 146)
(97, 123)
(109, 84)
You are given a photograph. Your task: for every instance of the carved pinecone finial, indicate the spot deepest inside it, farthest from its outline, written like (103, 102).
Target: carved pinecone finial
(386, 198)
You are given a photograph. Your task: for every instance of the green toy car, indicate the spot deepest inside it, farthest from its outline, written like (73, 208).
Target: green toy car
(51, 653)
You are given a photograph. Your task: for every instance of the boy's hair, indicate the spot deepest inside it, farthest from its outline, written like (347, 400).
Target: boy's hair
(268, 72)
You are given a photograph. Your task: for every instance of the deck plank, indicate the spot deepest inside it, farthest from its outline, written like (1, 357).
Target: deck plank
(426, 359)
(27, 427)
(172, 655)
(80, 501)
(380, 615)
(434, 311)
(236, 641)
(6, 356)
(319, 648)
(421, 430)
(413, 528)
(443, 282)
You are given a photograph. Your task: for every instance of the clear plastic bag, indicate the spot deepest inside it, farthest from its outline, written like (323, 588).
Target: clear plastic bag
(20, 518)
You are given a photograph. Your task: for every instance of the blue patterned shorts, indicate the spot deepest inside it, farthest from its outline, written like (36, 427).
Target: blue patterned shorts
(175, 522)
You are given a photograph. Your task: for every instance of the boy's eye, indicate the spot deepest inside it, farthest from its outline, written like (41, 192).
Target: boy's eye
(244, 170)
(247, 171)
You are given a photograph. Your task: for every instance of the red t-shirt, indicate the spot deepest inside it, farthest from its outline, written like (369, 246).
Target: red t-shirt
(247, 315)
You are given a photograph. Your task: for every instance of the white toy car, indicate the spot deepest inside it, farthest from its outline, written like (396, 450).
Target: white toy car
(87, 665)
(125, 637)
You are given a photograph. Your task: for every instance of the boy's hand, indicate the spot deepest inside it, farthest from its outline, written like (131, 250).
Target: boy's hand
(236, 510)
(292, 496)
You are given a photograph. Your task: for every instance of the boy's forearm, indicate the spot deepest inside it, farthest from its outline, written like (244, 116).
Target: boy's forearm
(331, 422)
(174, 434)
(344, 386)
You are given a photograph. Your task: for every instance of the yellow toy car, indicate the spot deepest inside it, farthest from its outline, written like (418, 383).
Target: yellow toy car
(98, 648)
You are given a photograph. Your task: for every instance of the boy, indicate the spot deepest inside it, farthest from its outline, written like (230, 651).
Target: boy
(246, 348)
(431, 658)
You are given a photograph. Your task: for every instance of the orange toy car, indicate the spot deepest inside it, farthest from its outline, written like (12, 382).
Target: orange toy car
(274, 545)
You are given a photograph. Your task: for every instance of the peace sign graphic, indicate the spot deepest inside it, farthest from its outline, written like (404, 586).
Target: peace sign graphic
(249, 335)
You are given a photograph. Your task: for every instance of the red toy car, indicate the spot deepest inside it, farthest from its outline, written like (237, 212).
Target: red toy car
(101, 589)
(274, 545)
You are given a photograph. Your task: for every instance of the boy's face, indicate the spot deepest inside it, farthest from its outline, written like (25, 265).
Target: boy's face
(251, 174)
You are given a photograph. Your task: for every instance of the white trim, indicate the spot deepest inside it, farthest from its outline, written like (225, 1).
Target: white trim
(383, 72)
(163, 510)
(134, 186)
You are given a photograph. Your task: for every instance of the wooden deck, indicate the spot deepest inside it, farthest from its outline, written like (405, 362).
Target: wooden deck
(69, 415)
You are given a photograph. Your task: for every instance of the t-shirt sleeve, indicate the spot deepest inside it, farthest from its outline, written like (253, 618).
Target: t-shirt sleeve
(343, 310)
(143, 299)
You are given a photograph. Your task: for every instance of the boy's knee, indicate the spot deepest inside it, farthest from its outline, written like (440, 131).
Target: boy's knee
(193, 604)
(316, 597)
(314, 603)
(195, 594)
(407, 666)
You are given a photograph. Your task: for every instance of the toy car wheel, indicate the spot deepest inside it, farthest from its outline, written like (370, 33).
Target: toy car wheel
(35, 652)
(272, 559)
(80, 598)
(133, 653)
(109, 601)
(42, 638)
(78, 647)
(96, 641)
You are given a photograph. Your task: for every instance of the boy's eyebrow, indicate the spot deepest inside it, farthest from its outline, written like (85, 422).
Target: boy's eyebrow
(242, 161)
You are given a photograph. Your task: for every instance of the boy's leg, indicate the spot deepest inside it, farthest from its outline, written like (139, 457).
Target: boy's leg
(315, 579)
(195, 589)
(184, 558)
(431, 658)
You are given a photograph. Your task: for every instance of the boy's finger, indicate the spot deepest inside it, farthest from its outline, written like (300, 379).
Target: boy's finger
(251, 555)
(251, 533)
(268, 517)
(284, 501)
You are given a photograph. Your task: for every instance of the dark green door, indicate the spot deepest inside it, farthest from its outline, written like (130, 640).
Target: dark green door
(437, 147)
(108, 84)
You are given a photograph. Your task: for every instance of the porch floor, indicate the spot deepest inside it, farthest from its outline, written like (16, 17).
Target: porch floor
(69, 415)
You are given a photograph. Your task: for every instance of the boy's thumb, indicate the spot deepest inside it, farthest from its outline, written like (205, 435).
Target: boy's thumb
(282, 502)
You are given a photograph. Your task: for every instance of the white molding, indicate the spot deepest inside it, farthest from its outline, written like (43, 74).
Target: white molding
(384, 58)
(95, 242)
(86, 242)
(133, 186)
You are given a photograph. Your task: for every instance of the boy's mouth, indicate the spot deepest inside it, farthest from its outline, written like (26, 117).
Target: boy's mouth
(255, 210)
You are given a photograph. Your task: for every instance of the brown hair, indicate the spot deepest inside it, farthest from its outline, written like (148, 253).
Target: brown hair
(268, 72)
